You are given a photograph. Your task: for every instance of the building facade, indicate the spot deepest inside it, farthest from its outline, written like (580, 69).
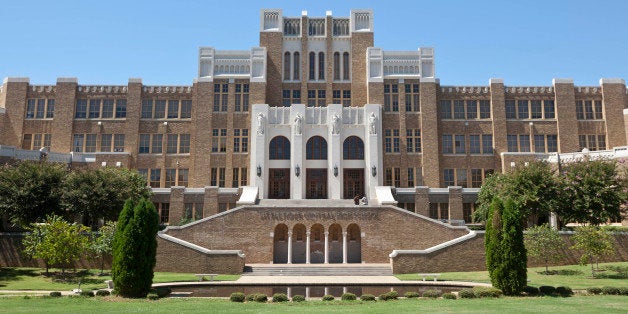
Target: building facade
(315, 112)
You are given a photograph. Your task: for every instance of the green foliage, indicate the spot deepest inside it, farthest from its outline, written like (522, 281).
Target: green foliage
(367, 297)
(260, 298)
(486, 292)
(100, 193)
(102, 293)
(55, 294)
(328, 297)
(466, 293)
(449, 296)
(493, 237)
(623, 290)
(280, 297)
(411, 295)
(592, 192)
(237, 297)
(392, 295)
(135, 248)
(87, 293)
(593, 243)
(564, 291)
(30, 191)
(531, 291)
(594, 290)
(298, 298)
(162, 292)
(152, 296)
(56, 242)
(610, 290)
(545, 243)
(348, 297)
(250, 297)
(547, 290)
(102, 245)
(432, 294)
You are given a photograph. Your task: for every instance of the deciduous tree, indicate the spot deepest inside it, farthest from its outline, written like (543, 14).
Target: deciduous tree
(544, 243)
(594, 243)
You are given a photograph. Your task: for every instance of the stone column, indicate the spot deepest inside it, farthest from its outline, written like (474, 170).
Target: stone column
(344, 247)
(455, 203)
(326, 247)
(422, 201)
(307, 248)
(289, 247)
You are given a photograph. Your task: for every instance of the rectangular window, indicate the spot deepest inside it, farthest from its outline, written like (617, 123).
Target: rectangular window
(552, 143)
(476, 178)
(598, 109)
(221, 177)
(388, 177)
(391, 97)
(487, 144)
(459, 109)
(536, 109)
(173, 109)
(601, 142)
(213, 177)
(511, 112)
(592, 142)
(184, 143)
(580, 110)
(182, 177)
(524, 143)
(144, 144)
(94, 108)
(118, 142)
(485, 109)
(388, 141)
(241, 97)
(155, 178)
(41, 108)
(460, 145)
(512, 143)
(410, 177)
(523, 110)
(234, 177)
(396, 148)
(171, 174)
(433, 211)
(588, 109)
(120, 108)
(397, 177)
(467, 212)
(147, 109)
(443, 210)
(474, 144)
(240, 140)
(77, 143)
(90, 143)
(156, 145)
(448, 147)
(160, 109)
(30, 108)
(539, 143)
(461, 177)
(164, 212)
(47, 140)
(171, 143)
(321, 97)
(81, 109)
(445, 109)
(50, 109)
(550, 110)
(448, 177)
(107, 108)
(27, 141)
(105, 142)
(219, 140)
(186, 109)
(36, 141)
(413, 141)
(412, 97)
(198, 211)
(582, 139)
(472, 109)
(243, 176)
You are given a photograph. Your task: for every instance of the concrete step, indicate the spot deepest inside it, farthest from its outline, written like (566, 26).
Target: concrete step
(316, 270)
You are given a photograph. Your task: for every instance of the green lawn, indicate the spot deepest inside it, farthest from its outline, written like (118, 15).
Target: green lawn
(33, 279)
(576, 277)
(580, 304)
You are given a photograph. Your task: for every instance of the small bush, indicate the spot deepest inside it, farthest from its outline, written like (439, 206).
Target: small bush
(87, 293)
(564, 291)
(547, 290)
(383, 297)
(594, 290)
(152, 296)
(486, 292)
(328, 297)
(531, 291)
(623, 291)
(102, 293)
(162, 292)
(367, 297)
(466, 294)
(393, 295)
(449, 296)
(432, 294)
(280, 297)
(55, 294)
(237, 297)
(610, 290)
(348, 297)
(261, 298)
(298, 298)
(251, 297)
(411, 295)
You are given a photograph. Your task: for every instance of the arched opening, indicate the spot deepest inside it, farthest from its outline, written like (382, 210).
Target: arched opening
(317, 244)
(280, 244)
(335, 243)
(279, 148)
(316, 148)
(353, 148)
(299, 241)
(336, 65)
(286, 66)
(345, 66)
(321, 65)
(297, 65)
(354, 244)
(312, 66)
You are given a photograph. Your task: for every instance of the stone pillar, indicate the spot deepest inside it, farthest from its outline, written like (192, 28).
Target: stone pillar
(455, 203)
(289, 247)
(498, 115)
(566, 120)
(428, 91)
(373, 162)
(298, 126)
(422, 201)
(257, 155)
(614, 99)
(210, 201)
(334, 153)
(289, 292)
(326, 247)
(307, 248)
(344, 247)
(63, 121)
(307, 293)
(176, 205)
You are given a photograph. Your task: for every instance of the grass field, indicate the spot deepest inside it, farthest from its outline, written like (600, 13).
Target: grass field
(573, 276)
(33, 279)
(580, 304)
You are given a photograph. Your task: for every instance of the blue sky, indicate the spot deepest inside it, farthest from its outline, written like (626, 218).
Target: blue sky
(107, 42)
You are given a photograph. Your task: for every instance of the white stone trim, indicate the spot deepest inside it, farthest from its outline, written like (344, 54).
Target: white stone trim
(562, 81)
(197, 247)
(612, 81)
(135, 80)
(435, 248)
(67, 80)
(16, 80)
(495, 81)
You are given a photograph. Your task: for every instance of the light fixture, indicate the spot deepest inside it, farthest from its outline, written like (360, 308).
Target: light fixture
(99, 123)
(335, 170)
(259, 170)
(165, 122)
(297, 171)
(373, 170)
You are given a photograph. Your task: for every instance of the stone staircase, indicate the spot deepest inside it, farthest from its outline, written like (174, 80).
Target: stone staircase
(318, 270)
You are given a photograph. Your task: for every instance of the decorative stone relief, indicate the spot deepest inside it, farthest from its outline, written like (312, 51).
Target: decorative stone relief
(372, 124)
(260, 123)
(298, 124)
(335, 124)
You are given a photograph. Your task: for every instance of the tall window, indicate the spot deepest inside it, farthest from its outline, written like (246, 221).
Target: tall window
(81, 109)
(279, 148)
(186, 109)
(160, 109)
(321, 65)
(173, 109)
(485, 109)
(40, 108)
(345, 66)
(336, 65)
(241, 97)
(296, 75)
(412, 97)
(391, 97)
(155, 178)
(588, 109)
(413, 141)
(448, 147)
(221, 92)
(316, 97)
(240, 140)
(219, 140)
(391, 141)
(445, 109)
(312, 67)
(286, 66)
(353, 148)
(316, 148)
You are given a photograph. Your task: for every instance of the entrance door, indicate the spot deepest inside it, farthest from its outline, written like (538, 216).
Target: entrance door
(316, 180)
(353, 183)
(279, 183)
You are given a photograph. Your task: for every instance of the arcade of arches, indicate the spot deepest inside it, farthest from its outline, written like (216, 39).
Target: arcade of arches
(316, 245)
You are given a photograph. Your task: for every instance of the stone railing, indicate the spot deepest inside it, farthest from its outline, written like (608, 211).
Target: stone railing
(529, 89)
(102, 89)
(316, 115)
(43, 88)
(279, 115)
(167, 89)
(620, 153)
(292, 27)
(352, 115)
(24, 154)
(465, 89)
(340, 27)
(588, 89)
(402, 63)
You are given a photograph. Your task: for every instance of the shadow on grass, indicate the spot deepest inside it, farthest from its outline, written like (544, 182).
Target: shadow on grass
(16, 274)
(561, 272)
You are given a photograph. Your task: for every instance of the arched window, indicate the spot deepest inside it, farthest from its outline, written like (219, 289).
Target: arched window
(353, 148)
(286, 66)
(279, 148)
(345, 66)
(316, 148)
(321, 65)
(312, 65)
(336, 65)
(297, 65)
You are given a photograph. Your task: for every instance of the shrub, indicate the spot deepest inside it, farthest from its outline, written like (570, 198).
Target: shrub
(152, 296)
(261, 298)
(298, 298)
(348, 297)
(328, 297)
(449, 296)
(610, 290)
(432, 294)
(411, 295)
(367, 297)
(547, 290)
(55, 294)
(485, 292)
(251, 297)
(162, 292)
(531, 291)
(623, 291)
(102, 293)
(466, 294)
(393, 295)
(280, 297)
(383, 297)
(237, 297)
(87, 293)
(594, 290)
(564, 291)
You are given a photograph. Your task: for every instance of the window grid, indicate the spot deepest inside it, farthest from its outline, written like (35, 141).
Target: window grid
(219, 140)
(391, 97)
(412, 98)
